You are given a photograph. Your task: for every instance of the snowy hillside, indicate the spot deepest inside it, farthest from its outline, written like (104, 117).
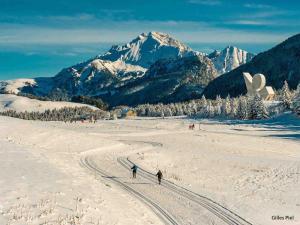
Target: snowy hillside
(147, 49)
(21, 104)
(229, 58)
(14, 86)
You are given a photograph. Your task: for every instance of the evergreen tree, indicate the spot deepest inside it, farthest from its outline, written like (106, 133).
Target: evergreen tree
(203, 107)
(258, 108)
(286, 95)
(233, 107)
(242, 109)
(179, 111)
(210, 110)
(296, 101)
(193, 107)
(167, 111)
(226, 109)
(218, 110)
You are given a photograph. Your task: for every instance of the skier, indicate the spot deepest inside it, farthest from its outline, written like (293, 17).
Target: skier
(159, 176)
(134, 169)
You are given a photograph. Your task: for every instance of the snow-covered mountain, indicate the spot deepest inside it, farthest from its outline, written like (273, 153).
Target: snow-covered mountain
(153, 67)
(147, 49)
(229, 58)
(103, 74)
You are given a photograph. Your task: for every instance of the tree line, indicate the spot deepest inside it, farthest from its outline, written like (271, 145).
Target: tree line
(242, 107)
(66, 114)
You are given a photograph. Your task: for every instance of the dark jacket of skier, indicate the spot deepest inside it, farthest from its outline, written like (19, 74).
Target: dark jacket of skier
(134, 169)
(159, 176)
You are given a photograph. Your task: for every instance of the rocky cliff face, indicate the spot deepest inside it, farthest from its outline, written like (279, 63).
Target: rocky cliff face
(167, 81)
(229, 58)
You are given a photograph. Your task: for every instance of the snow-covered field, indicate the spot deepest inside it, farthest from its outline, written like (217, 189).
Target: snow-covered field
(57, 173)
(21, 104)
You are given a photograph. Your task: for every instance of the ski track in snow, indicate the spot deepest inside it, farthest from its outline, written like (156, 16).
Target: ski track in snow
(212, 212)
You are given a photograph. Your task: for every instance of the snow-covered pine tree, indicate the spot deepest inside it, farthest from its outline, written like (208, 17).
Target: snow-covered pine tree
(179, 111)
(141, 110)
(226, 109)
(210, 109)
(167, 111)
(218, 106)
(173, 109)
(296, 101)
(203, 100)
(233, 107)
(242, 109)
(203, 107)
(193, 107)
(286, 95)
(258, 109)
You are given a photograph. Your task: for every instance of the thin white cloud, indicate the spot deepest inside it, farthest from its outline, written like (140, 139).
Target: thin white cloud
(252, 22)
(205, 2)
(63, 18)
(266, 14)
(275, 24)
(272, 16)
(258, 6)
(120, 32)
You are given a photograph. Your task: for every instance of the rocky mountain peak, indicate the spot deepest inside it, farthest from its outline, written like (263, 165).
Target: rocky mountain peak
(148, 48)
(229, 58)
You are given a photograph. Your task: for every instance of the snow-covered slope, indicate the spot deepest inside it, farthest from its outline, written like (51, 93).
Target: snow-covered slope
(147, 49)
(98, 67)
(21, 104)
(229, 58)
(14, 86)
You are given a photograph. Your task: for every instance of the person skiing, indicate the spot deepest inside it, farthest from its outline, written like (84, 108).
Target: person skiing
(134, 169)
(159, 176)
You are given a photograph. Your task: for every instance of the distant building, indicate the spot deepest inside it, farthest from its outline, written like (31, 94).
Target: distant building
(128, 113)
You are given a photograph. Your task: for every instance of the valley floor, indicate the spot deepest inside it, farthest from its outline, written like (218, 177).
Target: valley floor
(62, 173)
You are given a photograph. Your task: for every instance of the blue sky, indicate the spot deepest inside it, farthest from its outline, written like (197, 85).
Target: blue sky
(38, 38)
